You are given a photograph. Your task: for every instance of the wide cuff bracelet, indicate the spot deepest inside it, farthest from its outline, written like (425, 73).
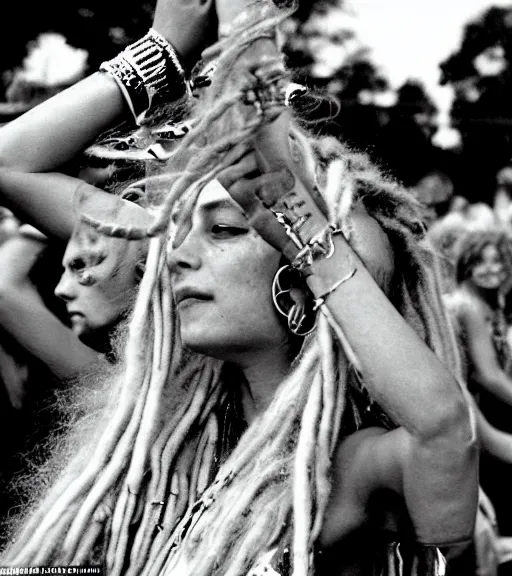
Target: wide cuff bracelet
(147, 72)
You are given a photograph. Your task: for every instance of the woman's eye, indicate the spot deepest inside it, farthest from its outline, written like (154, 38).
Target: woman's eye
(77, 265)
(226, 230)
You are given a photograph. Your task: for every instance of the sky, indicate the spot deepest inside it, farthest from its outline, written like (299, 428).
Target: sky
(409, 38)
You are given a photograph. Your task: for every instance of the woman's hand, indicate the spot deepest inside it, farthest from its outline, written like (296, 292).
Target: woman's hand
(249, 187)
(276, 187)
(189, 25)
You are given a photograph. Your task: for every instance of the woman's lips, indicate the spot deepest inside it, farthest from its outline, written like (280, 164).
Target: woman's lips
(75, 314)
(187, 294)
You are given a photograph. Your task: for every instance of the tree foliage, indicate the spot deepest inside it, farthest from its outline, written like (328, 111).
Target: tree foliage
(481, 74)
(101, 27)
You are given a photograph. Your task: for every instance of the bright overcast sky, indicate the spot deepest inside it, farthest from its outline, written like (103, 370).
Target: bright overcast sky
(410, 38)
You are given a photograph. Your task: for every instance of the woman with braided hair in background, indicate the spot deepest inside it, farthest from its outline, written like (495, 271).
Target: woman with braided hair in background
(238, 437)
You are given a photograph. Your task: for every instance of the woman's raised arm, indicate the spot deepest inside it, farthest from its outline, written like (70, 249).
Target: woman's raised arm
(57, 130)
(432, 458)
(25, 317)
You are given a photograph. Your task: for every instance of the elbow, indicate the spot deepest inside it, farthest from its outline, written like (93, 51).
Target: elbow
(5, 162)
(11, 289)
(7, 291)
(452, 423)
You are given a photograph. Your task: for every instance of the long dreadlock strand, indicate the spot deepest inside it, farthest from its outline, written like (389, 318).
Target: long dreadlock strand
(107, 480)
(260, 523)
(303, 492)
(161, 466)
(325, 430)
(145, 436)
(178, 439)
(162, 458)
(209, 454)
(39, 556)
(201, 447)
(342, 367)
(115, 230)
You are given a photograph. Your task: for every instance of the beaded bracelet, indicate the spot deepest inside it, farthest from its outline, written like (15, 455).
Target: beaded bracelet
(146, 72)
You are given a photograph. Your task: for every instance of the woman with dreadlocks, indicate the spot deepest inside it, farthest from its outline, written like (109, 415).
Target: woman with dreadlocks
(483, 273)
(233, 442)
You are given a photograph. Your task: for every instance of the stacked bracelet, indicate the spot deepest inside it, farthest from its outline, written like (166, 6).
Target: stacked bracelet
(320, 246)
(147, 72)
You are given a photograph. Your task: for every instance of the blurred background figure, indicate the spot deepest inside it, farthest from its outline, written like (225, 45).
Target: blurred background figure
(444, 235)
(503, 195)
(483, 272)
(435, 192)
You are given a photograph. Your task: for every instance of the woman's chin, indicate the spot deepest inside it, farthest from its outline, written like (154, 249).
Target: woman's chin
(213, 345)
(489, 284)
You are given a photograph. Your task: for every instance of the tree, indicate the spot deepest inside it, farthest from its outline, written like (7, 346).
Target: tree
(100, 27)
(480, 73)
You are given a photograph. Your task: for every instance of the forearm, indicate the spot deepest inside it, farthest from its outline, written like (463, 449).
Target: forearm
(44, 200)
(494, 441)
(17, 258)
(25, 318)
(400, 371)
(54, 132)
(497, 383)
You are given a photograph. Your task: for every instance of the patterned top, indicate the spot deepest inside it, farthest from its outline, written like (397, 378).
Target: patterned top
(390, 560)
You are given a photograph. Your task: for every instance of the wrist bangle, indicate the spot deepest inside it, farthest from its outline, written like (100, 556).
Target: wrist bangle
(320, 246)
(320, 301)
(147, 71)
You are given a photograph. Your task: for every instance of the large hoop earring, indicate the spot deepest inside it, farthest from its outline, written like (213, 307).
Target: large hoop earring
(297, 309)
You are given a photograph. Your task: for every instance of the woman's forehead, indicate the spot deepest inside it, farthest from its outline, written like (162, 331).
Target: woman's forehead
(87, 241)
(213, 193)
(211, 196)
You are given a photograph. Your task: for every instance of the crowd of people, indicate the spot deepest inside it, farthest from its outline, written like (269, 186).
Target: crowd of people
(231, 346)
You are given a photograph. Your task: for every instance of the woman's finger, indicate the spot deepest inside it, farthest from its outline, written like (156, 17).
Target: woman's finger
(242, 169)
(271, 187)
(260, 217)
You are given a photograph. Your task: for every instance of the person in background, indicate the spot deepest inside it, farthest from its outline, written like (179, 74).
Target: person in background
(483, 273)
(503, 194)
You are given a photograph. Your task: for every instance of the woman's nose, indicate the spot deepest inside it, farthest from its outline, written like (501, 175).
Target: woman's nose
(65, 288)
(184, 252)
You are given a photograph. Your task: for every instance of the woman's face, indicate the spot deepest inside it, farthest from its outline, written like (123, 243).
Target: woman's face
(222, 273)
(489, 272)
(99, 280)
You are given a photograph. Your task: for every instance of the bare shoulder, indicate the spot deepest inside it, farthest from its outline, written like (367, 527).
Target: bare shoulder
(465, 306)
